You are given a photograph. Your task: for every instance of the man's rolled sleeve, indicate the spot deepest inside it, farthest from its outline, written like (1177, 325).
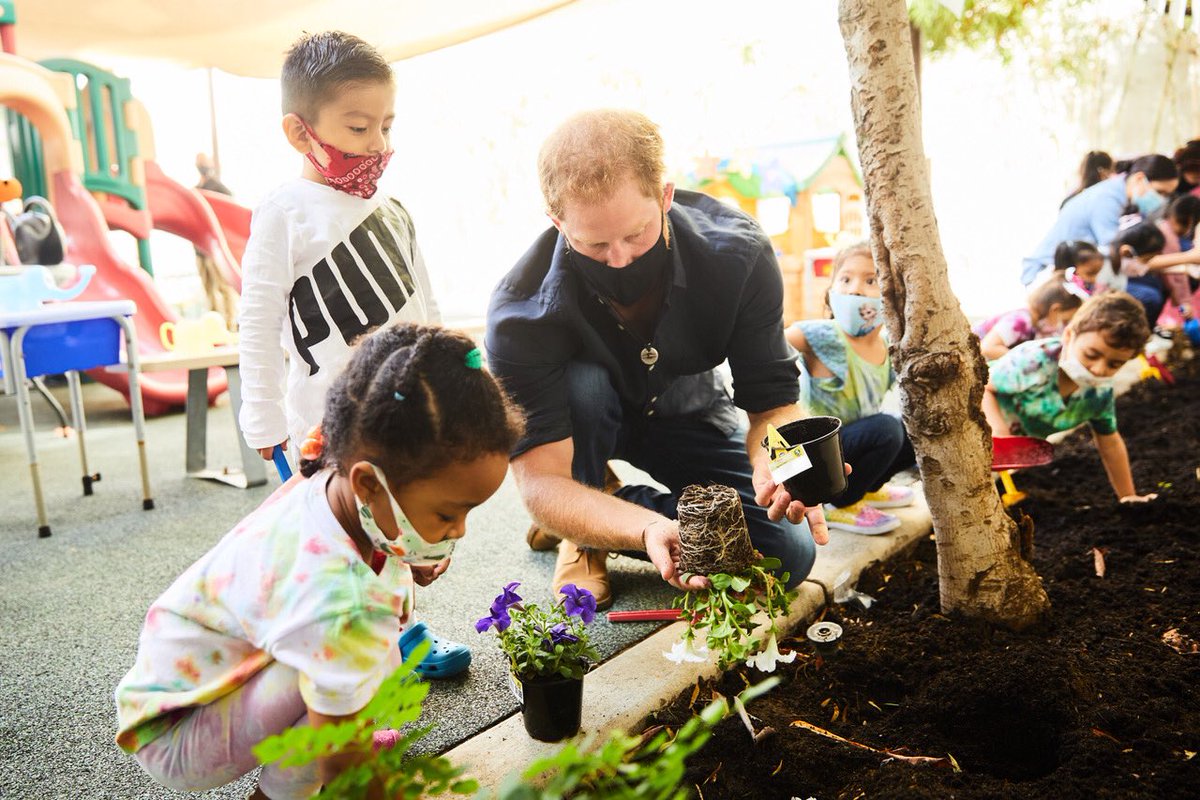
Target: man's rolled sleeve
(762, 362)
(529, 359)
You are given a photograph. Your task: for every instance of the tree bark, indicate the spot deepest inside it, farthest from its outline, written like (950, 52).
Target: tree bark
(941, 371)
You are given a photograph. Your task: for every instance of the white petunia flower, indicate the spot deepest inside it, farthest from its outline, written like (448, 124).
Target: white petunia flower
(687, 651)
(769, 657)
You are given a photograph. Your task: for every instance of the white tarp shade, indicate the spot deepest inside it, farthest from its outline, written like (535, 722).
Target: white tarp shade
(249, 37)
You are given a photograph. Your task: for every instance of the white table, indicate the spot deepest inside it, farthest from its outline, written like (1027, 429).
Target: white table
(15, 327)
(253, 471)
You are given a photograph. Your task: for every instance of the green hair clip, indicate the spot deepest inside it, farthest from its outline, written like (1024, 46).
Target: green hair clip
(473, 359)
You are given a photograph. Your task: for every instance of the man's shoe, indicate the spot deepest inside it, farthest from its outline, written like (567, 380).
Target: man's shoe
(587, 569)
(541, 539)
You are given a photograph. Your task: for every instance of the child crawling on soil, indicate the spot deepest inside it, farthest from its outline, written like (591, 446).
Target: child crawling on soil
(1051, 385)
(293, 618)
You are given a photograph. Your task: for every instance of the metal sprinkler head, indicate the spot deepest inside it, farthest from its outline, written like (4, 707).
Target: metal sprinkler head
(825, 635)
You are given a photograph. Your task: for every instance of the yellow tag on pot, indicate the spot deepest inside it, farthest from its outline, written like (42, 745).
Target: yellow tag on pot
(787, 461)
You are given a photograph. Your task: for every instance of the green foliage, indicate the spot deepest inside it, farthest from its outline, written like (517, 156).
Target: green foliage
(625, 767)
(984, 24)
(397, 703)
(725, 613)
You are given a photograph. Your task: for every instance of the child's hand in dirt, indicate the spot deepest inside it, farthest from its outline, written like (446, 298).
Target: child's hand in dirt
(427, 574)
(1139, 498)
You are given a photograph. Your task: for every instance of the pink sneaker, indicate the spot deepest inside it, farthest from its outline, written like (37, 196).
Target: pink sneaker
(861, 518)
(890, 496)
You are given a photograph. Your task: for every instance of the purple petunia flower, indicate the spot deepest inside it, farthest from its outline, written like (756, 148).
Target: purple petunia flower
(578, 603)
(506, 598)
(560, 635)
(500, 619)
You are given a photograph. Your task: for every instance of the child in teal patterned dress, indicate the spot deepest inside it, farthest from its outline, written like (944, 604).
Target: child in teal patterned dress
(844, 373)
(293, 617)
(1050, 385)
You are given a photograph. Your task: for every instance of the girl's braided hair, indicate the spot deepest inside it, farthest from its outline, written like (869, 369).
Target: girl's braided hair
(414, 399)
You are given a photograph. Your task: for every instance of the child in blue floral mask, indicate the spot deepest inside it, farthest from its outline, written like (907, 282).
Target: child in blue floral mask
(845, 373)
(295, 616)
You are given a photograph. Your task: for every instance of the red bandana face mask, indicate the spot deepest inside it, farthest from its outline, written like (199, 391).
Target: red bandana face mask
(349, 173)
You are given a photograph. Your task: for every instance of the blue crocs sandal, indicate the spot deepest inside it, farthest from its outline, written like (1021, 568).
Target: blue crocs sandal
(445, 660)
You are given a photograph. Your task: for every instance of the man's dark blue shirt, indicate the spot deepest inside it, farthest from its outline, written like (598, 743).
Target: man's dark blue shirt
(724, 301)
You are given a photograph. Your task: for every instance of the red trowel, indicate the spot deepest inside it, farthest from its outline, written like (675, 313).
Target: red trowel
(1017, 452)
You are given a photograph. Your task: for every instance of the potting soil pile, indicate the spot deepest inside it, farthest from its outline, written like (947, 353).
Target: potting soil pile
(1103, 700)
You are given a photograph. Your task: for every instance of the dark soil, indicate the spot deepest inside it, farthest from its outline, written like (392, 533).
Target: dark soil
(1092, 704)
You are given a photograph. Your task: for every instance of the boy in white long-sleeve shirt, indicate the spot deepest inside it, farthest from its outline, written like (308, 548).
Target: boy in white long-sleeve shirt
(328, 259)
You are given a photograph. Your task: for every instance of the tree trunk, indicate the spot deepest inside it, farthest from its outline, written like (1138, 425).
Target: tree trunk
(937, 359)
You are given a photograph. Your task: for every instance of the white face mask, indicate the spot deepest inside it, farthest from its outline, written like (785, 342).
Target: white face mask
(409, 546)
(856, 314)
(1077, 372)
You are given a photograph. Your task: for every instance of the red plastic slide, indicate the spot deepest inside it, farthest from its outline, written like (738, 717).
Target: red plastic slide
(87, 243)
(234, 219)
(182, 211)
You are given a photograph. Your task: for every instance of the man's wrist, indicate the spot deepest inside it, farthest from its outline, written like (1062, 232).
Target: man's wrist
(646, 529)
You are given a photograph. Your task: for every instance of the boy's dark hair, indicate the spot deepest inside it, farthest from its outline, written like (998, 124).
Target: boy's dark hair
(412, 400)
(1144, 238)
(1069, 254)
(1186, 211)
(1155, 167)
(1055, 291)
(1116, 316)
(319, 64)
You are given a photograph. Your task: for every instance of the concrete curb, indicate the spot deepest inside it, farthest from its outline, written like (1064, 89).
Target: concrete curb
(621, 693)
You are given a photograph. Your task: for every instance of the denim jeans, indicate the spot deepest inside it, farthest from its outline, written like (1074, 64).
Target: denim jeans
(877, 447)
(676, 452)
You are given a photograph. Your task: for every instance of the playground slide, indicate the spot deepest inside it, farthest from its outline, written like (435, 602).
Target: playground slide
(234, 219)
(87, 243)
(182, 211)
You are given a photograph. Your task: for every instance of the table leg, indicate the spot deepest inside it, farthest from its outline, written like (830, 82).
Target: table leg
(6, 363)
(252, 463)
(135, 406)
(197, 420)
(25, 412)
(79, 423)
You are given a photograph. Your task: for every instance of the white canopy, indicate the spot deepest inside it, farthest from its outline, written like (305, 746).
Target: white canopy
(249, 37)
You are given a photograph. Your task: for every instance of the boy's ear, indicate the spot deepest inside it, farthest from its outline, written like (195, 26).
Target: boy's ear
(297, 135)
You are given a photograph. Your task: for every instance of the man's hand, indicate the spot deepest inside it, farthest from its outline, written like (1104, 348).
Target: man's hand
(427, 574)
(775, 498)
(662, 545)
(268, 453)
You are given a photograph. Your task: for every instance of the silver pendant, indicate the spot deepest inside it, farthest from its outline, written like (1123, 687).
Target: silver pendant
(649, 356)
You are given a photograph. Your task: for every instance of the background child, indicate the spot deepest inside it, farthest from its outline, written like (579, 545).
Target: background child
(294, 614)
(1178, 227)
(1052, 385)
(1130, 255)
(845, 372)
(1079, 262)
(328, 259)
(1051, 306)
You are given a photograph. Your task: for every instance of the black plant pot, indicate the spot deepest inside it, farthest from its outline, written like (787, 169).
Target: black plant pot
(551, 707)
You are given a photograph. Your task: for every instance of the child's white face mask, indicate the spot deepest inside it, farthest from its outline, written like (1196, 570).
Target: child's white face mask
(1079, 373)
(856, 314)
(409, 546)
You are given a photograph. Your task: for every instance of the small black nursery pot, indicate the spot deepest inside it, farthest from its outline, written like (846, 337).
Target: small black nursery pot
(822, 440)
(552, 707)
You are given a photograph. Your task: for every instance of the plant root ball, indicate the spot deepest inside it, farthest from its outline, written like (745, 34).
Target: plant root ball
(712, 531)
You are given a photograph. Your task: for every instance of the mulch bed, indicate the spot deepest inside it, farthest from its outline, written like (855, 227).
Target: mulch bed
(1092, 704)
